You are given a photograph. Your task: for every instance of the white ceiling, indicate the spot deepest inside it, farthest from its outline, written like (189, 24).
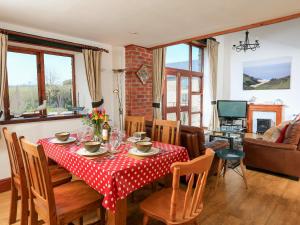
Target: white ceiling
(155, 21)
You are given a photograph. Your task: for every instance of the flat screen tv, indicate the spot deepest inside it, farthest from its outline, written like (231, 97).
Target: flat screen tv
(232, 109)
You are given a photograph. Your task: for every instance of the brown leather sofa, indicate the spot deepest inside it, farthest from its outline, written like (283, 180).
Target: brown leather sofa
(193, 139)
(283, 158)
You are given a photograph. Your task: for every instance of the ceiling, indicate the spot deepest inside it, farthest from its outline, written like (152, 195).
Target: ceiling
(142, 22)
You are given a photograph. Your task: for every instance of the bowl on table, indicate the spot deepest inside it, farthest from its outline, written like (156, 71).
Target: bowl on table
(143, 146)
(92, 146)
(139, 135)
(62, 136)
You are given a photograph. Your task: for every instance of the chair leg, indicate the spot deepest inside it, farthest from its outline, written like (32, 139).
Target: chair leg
(102, 215)
(24, 210)
(224, 168)
(13, 205)
(33, 218)
(145, 219)
(81, 221)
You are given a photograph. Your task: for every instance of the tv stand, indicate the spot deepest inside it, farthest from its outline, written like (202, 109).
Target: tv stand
(232, 125)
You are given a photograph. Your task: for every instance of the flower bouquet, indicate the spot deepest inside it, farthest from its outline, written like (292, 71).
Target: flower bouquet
(95, 120)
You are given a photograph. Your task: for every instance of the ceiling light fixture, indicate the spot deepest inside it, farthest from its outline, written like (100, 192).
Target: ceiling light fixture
(246, 45)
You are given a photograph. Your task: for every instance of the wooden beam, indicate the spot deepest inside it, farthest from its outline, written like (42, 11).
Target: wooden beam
(44, 41)
(233, 30)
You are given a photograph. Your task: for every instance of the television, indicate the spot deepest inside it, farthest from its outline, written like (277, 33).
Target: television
(232, 109)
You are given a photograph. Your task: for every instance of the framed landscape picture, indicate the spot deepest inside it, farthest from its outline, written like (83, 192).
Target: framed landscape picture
(268, 74)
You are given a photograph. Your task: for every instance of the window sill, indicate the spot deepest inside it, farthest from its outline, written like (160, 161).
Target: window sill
(40, 119)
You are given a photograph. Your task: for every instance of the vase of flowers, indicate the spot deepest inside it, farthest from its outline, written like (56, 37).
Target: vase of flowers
(95, 120)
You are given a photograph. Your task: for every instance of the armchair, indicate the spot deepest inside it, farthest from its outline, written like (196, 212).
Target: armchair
(275, 157)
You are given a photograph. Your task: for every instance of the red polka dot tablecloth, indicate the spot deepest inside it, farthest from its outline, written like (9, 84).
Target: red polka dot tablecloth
(118, 177)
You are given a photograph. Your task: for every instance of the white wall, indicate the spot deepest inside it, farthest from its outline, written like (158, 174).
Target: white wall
(34, 131)
(279, 40)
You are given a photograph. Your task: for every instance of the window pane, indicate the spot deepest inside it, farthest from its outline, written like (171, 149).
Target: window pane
(184, 94)
(196, 84)
(22, 83)
(171, 90)
(184, 117)
(196, 103)
(58, 78)
(196, 120)
(196, 59)
(177, 56)
(171, 116)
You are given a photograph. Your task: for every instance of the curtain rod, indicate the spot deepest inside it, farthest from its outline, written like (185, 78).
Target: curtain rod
(50, 42)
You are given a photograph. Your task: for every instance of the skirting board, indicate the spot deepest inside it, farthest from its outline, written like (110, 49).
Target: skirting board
(5, 184)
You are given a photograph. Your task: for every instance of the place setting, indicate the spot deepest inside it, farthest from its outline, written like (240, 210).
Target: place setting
(141, 146)
(63, 138)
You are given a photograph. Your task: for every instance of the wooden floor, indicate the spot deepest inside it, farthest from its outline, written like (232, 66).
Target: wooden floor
(270, 200)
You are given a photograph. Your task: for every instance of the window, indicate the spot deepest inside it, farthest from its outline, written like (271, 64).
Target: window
(59, 87)
(34, 76)
(183, 93)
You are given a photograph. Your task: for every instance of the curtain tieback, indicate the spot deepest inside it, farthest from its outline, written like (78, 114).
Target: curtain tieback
(213, 102)
(97, 104)
(155, 105)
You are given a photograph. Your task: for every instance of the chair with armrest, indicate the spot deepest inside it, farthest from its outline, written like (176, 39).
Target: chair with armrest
(275, 157)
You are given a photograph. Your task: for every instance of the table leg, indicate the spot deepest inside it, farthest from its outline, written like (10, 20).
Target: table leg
(244, 172)
(119, 217)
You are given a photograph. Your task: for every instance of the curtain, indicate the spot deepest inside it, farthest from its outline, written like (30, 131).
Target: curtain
(92, 61)
(212, 47)
(3, 69)
(159, 56)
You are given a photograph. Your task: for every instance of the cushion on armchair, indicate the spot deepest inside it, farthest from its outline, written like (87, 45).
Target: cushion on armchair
(292, 135)
(282, 134)
(271, 134)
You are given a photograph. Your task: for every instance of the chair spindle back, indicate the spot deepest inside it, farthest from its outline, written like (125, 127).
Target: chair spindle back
(193, 201)
(134, 124)
(166, 131)
(15, 158)
(38, 175)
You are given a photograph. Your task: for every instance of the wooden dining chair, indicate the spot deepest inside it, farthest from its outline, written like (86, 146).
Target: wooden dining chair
(134, 124)
(19, 188)
(185, 205)
(60, 205)
(166, 131)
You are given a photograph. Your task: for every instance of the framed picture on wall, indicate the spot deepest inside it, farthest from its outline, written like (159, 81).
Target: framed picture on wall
(270, 74)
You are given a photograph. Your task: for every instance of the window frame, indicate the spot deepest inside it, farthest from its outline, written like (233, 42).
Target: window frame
(184, 73)
(41, 83)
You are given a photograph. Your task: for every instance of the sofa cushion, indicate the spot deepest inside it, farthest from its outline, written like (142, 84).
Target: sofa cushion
(283, 124)
(292, 134)
(282, 134)
(271, 134)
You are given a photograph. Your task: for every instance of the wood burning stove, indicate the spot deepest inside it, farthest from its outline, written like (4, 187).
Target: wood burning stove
(263, 125)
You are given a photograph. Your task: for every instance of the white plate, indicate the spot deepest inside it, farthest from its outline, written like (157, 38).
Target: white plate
(84, 152)
(135, 151)
(56, 141)
(134, 140)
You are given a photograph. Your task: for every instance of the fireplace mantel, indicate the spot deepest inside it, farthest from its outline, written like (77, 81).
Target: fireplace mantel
(263, 108)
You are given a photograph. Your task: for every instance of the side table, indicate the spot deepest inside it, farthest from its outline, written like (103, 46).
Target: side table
(226, 155)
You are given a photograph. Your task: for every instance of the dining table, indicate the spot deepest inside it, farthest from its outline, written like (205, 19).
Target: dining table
(115, 176)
